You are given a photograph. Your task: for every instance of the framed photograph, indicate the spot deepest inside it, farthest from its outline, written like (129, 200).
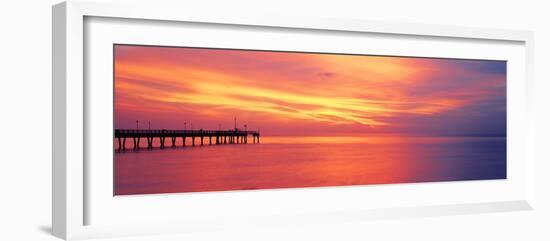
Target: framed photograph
(179, 121)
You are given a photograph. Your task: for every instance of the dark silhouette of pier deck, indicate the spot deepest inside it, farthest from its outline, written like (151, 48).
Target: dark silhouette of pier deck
(215, 137)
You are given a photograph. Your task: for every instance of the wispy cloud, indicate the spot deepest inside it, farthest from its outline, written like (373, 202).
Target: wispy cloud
(319, 92)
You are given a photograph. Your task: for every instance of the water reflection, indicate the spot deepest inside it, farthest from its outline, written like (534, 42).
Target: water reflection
(285, 162)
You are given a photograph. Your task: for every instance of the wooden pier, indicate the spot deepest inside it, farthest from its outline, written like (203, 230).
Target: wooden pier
(197, 137)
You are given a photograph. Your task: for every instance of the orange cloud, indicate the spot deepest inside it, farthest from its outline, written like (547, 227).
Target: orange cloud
(334, 90)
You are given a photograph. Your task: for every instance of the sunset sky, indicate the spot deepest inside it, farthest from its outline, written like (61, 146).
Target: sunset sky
(282, 93)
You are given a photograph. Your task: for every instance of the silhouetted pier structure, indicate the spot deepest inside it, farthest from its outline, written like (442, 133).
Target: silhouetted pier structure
(214, 137)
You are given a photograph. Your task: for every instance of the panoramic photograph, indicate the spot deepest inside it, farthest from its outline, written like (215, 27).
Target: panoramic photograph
(190, 119)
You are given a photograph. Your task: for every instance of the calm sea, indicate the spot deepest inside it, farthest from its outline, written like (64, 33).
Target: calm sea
(286, 162)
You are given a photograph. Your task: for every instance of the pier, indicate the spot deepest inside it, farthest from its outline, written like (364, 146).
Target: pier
(196, 137)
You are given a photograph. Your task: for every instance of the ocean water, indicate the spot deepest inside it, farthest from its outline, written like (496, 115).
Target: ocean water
(290, 162)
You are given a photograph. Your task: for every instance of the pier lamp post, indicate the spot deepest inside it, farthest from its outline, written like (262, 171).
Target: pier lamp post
(137, 124)
(245, 135)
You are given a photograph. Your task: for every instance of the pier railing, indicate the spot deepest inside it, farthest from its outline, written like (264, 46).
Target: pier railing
(121, 132)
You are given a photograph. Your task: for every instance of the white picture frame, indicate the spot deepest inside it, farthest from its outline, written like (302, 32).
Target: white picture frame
(72, 190)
